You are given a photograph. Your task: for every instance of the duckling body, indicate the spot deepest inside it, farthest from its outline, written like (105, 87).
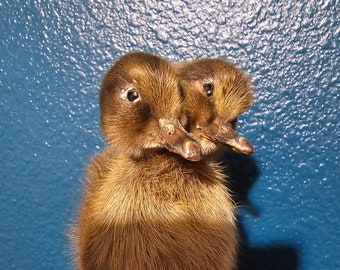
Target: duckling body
(150, 202)
(159, 213)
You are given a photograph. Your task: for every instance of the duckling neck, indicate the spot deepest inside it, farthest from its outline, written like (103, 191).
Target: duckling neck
(169, 168)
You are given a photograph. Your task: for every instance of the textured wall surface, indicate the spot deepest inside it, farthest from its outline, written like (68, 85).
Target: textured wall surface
(53, 55)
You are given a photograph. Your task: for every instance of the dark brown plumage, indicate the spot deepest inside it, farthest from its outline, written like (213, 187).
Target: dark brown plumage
(146, 205)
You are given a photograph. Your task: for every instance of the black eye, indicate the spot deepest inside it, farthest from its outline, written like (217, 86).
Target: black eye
(132, 95)
(208, 89)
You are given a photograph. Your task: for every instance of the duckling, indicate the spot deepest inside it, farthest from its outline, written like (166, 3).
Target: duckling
(223, 92)
(151, 202)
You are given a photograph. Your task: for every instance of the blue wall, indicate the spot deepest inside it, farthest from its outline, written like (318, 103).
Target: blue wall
(53, 55)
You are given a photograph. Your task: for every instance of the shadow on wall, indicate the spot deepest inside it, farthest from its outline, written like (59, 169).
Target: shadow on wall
(243, 173)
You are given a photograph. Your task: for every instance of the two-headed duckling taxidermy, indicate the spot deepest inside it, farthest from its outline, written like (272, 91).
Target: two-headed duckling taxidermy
(150, 202)
(216, 92)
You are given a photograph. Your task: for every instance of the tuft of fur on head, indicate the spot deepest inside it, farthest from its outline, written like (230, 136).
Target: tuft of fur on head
(233, 90)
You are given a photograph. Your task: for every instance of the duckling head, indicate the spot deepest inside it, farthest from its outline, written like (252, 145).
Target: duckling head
(216, 92)
(141, 108)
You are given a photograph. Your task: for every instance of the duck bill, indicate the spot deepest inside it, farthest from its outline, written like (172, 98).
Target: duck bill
(174, 138)
(223, 132)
